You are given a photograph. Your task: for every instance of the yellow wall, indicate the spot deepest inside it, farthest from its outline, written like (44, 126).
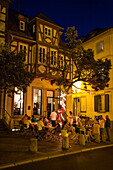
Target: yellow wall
(107, 38)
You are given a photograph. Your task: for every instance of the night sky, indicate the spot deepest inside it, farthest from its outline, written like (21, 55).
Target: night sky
(85, 15)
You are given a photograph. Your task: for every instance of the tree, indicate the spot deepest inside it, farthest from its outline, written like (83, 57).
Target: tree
(87, 69)
(12, 71)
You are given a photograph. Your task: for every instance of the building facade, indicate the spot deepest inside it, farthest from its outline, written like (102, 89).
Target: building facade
(40, 38)
(89, 102)
(46, 54)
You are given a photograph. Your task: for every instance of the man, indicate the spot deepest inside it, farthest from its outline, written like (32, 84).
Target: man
(102, 126)
(53, 117)
(107, 128)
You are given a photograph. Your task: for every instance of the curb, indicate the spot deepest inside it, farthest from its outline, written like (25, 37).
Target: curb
(53, 156)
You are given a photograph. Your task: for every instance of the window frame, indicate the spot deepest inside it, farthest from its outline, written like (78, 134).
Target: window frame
(22, 25)
(101, 103)
(42, 56)
(47, 31)
(61, 61)
(21, 108)
(99, 48)
(53, 58)
(38, 102)
(24, 47)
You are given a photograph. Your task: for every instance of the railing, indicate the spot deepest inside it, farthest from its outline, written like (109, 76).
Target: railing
(7, 118)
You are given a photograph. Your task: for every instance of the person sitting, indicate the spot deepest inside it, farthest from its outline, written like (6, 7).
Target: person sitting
(28, 123)
(24, 118)
(22, 121)
(33, 119)
(46, 121)
(41, 128)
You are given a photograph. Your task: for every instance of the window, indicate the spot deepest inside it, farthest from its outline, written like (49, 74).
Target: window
(23, 48)
(50, 102)
(101, 103)
(100, 47)
(22, 26)
(42, 55)
(53, 58)
(47, 31)
(37, 101)
(61, 61)
(18, 102)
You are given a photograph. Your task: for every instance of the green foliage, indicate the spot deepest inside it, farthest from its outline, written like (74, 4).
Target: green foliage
(91, 71)
(12, 70)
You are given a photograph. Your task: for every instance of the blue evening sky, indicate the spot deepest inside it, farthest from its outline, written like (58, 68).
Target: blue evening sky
(85, 15)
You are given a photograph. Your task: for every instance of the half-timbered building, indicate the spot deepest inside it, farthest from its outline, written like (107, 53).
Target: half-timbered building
(46, 54)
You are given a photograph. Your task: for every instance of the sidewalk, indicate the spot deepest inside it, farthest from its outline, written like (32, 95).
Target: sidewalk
(14, 150)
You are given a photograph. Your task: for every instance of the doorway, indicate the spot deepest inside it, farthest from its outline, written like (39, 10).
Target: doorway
(76, 106)
(50, 102)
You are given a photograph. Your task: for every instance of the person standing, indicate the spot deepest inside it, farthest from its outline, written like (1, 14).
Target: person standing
(71, 118)
(107, 128)
(77, 119)
(53, 117)
(102, 126)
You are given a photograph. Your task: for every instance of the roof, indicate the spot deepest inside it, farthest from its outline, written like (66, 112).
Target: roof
(62, 44)
(45, 18)
(94, 33)
(13, 24)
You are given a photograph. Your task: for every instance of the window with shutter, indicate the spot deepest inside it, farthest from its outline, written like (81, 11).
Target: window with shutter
(101, 103)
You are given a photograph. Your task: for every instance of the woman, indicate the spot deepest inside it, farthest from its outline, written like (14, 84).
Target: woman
(71, 118)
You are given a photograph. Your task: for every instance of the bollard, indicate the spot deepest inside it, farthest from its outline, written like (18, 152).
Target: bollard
(33, 145)
(82, 139)
(97, 137)
(65, 142)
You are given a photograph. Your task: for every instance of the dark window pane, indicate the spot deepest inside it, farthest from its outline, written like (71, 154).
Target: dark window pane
(107, 102)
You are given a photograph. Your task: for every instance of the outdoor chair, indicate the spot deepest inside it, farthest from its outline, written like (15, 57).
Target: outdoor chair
(52, 133)
(27, 131)
(75, 137)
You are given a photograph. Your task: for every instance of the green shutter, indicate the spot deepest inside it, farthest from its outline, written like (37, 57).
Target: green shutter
(106, 102)
(96, 103)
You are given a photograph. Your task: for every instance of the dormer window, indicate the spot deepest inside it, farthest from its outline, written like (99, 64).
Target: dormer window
(22, 26)
(47, 31)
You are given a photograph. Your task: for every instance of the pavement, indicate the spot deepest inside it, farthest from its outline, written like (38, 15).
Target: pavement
(14, 149)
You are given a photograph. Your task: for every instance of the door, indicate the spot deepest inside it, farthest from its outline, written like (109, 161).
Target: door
(50, 102)
(76, 106)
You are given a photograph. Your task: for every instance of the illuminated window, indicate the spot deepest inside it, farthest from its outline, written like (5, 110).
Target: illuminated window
(22, 26)
(42, 55)
(37, 102)
(18, 102)
(100, 47)
(101, 103)
(47, 31)
(50, 102)
(53, 58)
(24, 48)
(61, 61)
